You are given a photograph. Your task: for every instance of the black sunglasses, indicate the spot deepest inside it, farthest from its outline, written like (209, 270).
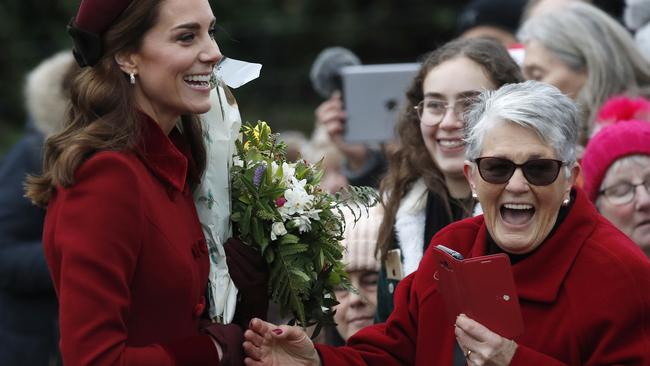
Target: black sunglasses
(539, 172)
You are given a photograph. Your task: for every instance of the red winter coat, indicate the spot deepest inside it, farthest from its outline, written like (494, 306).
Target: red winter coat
(584, 294)
(129, 260)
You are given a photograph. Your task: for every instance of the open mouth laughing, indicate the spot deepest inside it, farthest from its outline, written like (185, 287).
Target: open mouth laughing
(517, 214)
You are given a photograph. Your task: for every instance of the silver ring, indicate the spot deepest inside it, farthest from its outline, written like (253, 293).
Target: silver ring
(469, 353)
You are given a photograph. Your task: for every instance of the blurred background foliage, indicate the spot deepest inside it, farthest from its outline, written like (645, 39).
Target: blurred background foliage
(284, 35)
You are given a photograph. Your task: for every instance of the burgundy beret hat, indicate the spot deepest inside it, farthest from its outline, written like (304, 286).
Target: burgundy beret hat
(96, 16)
(89, 25)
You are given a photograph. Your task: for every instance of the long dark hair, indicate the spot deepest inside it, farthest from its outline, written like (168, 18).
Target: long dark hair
(411, 160)
(102, 113)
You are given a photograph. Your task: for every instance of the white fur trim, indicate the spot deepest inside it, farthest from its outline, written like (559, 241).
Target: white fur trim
(478, 210)
(45, 100)
(409, 226)
(642, 39)
(636, 13)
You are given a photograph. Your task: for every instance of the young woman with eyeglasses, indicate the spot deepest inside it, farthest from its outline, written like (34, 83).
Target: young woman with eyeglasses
(424, 189)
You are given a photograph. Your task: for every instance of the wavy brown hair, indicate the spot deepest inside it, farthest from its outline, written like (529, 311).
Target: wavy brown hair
(102, 114)
(411, 160)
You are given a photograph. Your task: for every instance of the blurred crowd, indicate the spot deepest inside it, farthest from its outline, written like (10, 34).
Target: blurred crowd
(423, 175)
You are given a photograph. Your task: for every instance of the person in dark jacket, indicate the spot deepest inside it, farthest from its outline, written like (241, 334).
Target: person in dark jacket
(28, 306)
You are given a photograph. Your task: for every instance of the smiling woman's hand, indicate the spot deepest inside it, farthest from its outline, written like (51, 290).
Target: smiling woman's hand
(482, 346)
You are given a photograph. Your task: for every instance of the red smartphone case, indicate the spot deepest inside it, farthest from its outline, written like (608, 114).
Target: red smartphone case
(482, 288)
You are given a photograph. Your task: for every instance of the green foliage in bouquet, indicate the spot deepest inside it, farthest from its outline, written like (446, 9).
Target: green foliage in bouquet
(279, 207)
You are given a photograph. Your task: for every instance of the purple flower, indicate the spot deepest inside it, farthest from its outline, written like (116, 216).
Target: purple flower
(257, 178)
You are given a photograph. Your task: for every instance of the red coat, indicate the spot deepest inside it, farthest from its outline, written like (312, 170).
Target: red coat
(584, 294)
(129, 260)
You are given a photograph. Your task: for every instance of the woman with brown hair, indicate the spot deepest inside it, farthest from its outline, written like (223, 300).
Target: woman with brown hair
(122, 239)
(424, 189)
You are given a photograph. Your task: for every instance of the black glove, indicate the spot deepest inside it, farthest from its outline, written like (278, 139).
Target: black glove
(250, 273)
(230, 337)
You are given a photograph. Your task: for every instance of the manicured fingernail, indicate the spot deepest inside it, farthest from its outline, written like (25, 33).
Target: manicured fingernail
(277, 331)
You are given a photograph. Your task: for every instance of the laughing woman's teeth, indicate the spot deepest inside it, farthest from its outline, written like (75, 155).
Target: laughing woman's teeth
(518, 206)
(198, 80)
(451, 143)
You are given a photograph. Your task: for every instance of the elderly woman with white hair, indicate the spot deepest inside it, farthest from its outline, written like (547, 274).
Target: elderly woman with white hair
(521, 165)
(587, 54)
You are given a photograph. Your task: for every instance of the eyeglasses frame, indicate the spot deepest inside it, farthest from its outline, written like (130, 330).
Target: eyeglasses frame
(419, 109)
(634, 189)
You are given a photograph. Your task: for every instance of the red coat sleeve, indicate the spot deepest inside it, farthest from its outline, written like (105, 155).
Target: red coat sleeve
(92, 251)
(525, 356)
(392, 343)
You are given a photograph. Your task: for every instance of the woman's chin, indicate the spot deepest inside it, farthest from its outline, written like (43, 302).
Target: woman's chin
(198, 108)
(514, 241)
(359, 324)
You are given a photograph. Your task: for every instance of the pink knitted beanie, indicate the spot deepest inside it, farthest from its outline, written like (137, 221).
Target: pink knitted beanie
(611, 143)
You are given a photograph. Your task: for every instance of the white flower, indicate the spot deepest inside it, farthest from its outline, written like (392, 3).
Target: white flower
(236, 161)
(274, 167)
(298, 200)
(288, 171)
(302, 223)
(277, 229)
(298, 184)
(313, 214)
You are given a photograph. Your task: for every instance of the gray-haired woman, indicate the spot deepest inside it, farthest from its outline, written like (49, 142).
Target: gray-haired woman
(521, 164)
(587, 54)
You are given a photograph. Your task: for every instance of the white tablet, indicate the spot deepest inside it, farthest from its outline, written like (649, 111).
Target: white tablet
(374, 95)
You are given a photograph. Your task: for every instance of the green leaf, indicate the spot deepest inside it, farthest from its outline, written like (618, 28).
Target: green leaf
(248, 183)
(292, 249)
(269, 255)
(258, 234)
(273, 192)
(321, 258)
(300, 274)
(289, 239)
(246, 221)
(236, 216)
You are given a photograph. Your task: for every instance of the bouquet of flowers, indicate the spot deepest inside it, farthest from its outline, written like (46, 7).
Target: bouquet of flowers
(278, 207)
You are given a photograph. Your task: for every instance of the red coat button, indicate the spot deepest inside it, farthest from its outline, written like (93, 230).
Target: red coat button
(198, 309)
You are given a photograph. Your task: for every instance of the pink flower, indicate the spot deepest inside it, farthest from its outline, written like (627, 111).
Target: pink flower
(280, 201)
